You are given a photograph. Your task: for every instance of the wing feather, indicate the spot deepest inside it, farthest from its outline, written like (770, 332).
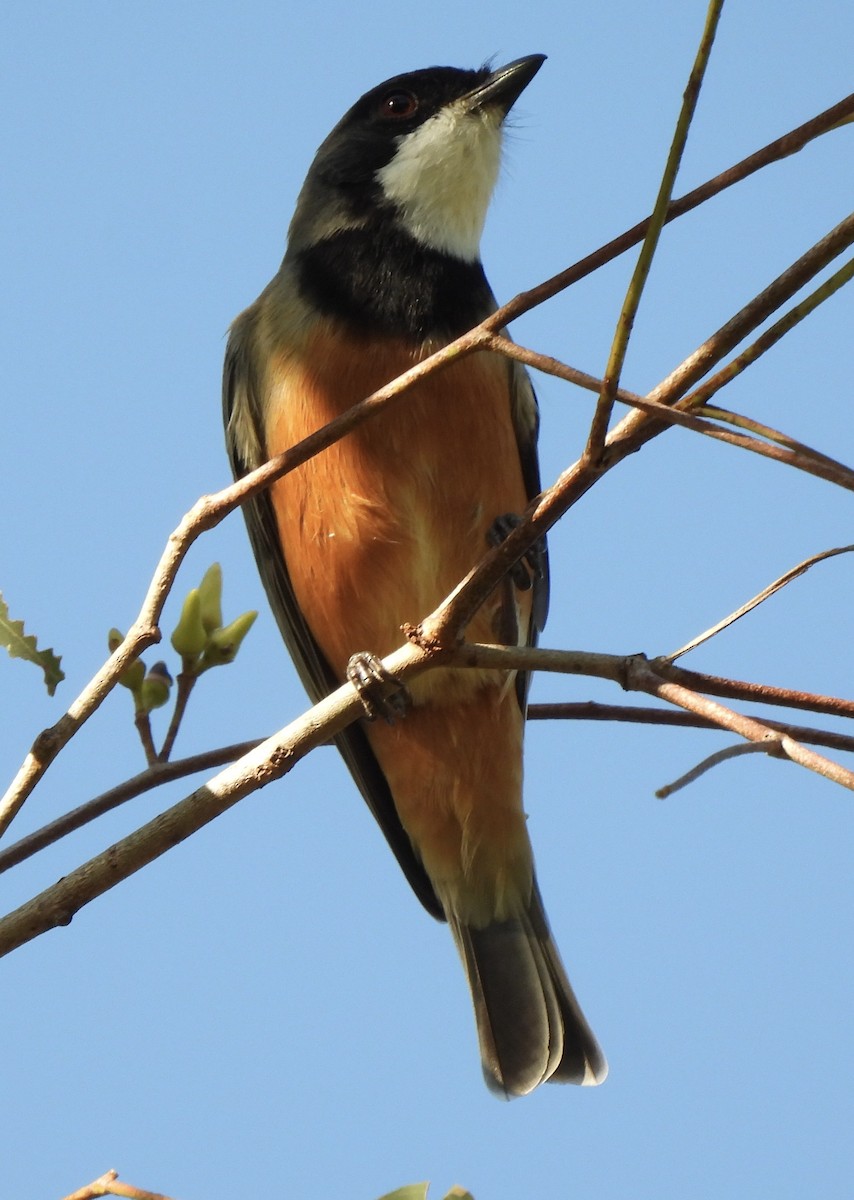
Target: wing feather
(526, 421)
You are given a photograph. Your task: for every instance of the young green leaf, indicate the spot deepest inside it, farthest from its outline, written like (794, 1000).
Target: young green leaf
(23, 645)
(410, 1191)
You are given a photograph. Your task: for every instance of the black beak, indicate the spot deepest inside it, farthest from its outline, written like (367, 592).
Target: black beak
(504, 87)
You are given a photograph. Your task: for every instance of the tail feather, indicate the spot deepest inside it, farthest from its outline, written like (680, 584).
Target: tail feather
(529, 1023)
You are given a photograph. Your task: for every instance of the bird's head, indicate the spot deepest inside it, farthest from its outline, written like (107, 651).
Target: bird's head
(421, 150)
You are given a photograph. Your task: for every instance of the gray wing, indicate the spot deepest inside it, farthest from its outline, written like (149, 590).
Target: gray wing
(244, 439)
(526, 421)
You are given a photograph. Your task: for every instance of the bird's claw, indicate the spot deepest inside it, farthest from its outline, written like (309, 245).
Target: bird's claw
(381, 693)
(531, 566)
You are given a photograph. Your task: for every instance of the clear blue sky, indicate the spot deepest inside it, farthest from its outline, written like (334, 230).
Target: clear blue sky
(266, 1010)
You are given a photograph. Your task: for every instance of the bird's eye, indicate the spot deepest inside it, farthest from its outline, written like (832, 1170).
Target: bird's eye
(398, 105)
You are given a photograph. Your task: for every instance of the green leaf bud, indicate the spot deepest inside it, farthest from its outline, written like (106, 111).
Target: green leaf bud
(210, 598)
(154, 692)
(189, 636)
(223, 644)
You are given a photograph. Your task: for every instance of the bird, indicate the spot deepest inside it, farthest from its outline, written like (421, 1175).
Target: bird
(382, 268)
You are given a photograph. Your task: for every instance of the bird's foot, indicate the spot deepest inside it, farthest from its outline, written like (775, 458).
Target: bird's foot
(531, 566)
(381, 693)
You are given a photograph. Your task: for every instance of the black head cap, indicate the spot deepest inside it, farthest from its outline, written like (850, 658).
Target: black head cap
(366, 137)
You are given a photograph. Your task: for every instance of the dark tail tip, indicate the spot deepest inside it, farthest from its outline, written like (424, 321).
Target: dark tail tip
(530, 1026)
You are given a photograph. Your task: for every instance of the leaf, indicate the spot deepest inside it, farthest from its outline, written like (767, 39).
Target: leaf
(23, 645)
(410, 1191)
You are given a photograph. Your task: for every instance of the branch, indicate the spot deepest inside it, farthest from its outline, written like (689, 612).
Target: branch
(275, 757)
(645, 679)
(154, 776)
(446, 626)
(205, 514)
(142, 721)
(790, 143)
(759, 693)
(770, 337)
(635, 429)
(268, 761)
(108, 1185)
(803, 457)
(785, 450)
(186, 683)
(765, 594)
(714, 760)
(637, 673)
(620, 344)
(759, 429)
(591, 710)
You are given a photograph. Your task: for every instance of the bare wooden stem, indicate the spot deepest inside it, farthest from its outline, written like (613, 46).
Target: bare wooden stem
(109, 1184)
(154, 776)
(619, 346)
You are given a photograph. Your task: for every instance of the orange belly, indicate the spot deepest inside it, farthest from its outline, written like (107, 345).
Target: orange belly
(376, 531)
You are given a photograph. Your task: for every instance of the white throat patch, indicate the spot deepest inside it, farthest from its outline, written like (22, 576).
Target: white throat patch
(442, 177)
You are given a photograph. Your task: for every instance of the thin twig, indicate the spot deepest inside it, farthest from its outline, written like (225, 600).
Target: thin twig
(766, 592)
(805, 757)
(637, 673)
(153, 777)
(592, 710)
(142, 721)
(636, 429)
(625, 323)
(781, 449)
(760, 429)
(645, 679)
(186, 682)
(758, 693)
(714, 760)
(699, 398)
(108, 1185)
